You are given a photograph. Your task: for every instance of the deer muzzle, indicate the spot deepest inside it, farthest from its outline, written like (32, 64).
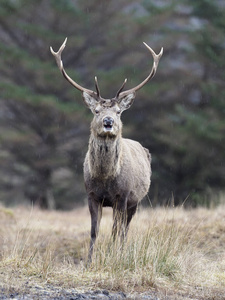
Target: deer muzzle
(108, 124)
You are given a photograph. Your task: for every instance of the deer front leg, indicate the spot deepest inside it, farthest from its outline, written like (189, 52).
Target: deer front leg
(95, 209)
(119, 218)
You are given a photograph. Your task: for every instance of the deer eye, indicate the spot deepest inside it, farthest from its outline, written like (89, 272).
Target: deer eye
(118, 112)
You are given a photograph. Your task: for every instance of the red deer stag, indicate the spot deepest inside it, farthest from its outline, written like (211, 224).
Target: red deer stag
(117, 171)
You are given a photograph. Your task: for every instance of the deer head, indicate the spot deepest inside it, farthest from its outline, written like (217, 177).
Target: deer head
(107, 112)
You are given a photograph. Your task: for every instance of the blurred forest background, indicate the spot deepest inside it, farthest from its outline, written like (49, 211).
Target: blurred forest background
(179, 116)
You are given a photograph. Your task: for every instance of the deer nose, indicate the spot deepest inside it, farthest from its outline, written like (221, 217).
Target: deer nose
(108, 122)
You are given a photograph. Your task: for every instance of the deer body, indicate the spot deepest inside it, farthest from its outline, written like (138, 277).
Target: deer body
(116, 174)
(111, 173)
(117, 171)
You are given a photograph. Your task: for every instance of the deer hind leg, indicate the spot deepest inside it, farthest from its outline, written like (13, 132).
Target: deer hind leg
(95, 209)
(130, 213)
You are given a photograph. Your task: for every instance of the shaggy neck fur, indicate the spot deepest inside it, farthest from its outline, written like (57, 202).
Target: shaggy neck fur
(104, 156)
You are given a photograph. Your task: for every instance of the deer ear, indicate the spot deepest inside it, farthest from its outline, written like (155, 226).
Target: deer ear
(126, 101)
(89, 100)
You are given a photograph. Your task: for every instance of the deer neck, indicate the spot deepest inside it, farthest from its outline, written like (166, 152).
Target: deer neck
(104, 156)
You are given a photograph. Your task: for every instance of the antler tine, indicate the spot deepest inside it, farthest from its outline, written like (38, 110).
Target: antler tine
(156, 58)
(57, 55)
(122, 87)
(59, 62)
(97, 87)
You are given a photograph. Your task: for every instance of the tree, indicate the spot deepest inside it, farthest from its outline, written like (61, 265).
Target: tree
(45, 126)
(203, 117)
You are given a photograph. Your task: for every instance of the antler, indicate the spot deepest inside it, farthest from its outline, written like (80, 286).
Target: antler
(120, 90)
(119, 94)
(59, 62)
(156, 58)
(97, 87)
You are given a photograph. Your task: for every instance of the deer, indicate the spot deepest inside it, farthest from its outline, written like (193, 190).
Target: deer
(117, 170)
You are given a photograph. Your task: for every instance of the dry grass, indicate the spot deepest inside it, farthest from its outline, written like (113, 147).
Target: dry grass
(171, 251)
